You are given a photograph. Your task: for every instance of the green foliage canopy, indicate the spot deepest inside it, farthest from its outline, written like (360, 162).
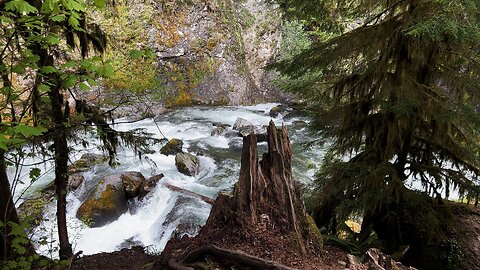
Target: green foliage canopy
(397, 95)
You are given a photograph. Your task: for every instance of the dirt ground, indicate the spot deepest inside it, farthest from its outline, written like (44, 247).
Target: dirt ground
(135, 259)
(467, 234)
(131, 259)
(267, 245)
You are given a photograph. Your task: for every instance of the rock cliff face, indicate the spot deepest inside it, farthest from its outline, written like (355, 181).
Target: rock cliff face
(213, 52)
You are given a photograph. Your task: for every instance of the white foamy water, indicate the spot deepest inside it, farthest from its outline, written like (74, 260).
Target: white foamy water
(152, 221)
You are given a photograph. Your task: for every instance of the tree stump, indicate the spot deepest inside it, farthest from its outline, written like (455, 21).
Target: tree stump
(265, 190)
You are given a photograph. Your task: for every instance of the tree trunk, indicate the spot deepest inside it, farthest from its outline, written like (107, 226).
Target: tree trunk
(8, 212)
(61, 170)
(266, 190)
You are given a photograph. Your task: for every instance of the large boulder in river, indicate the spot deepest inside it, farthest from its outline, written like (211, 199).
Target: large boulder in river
(172, 147)
(187, 164)
(132, 182)
(106, 202)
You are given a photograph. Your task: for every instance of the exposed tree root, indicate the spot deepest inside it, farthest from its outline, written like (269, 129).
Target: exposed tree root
(239, 257)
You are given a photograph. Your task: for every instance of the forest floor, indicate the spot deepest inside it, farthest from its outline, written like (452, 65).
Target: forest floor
(135, 259)
(466, 233)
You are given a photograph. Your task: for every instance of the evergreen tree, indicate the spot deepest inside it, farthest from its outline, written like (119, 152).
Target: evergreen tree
(397, 98)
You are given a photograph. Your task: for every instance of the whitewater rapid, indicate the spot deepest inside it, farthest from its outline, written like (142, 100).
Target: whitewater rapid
(163, 213)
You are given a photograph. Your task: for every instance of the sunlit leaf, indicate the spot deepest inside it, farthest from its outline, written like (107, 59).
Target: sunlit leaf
(29, 131)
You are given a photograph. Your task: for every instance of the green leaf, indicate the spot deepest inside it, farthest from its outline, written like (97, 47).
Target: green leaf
(99, 3)
(72, 21)
(48, 5)
(69, 82)
(34, 173)
(70, 64)
(20, 6)
(84, 86)
(53, 39)
(43, 88)
(48, 69)
(3, 146)
(77, 6)
(19, 68)
(108, 70)
(135, 54)
(58, 18)
(29, 131)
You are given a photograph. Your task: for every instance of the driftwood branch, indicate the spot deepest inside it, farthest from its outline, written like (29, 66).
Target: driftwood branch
(232, 255)
(191, 193)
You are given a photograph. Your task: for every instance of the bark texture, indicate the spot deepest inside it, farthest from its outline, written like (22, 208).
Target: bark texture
(266, 191)
(8, 212)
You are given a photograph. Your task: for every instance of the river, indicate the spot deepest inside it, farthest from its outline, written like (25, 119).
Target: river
(152, 221)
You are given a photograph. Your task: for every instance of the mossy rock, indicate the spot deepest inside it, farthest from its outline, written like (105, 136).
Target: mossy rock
(187, 164)
(32, 209)
(277, 110)
(106, 202)
(173, 147)
(314, 234)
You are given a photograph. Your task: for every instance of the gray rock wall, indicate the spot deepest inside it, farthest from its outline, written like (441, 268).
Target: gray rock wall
(214, 52)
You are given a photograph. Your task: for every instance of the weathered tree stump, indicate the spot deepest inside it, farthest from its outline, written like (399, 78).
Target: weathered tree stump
(265, 204)
(265, 190)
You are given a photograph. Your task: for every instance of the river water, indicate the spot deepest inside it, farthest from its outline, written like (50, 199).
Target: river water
(163, 213)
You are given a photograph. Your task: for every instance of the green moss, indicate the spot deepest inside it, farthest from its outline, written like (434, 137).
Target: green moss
(314, 234)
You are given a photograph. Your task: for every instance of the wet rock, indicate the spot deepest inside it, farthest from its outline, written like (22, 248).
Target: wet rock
(105, 203)
(32, 209)
(235, 144)
(199, 151)
(217, 131)
(131, 182)
(245, 128)
(187, 164)
(173, 147)
(232, 134)
(218, 124)
(74, 181)
(277, 110)
(147, 186)
(241, 123)
(85, 162)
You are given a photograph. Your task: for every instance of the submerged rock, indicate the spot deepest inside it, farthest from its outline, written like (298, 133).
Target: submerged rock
(173, 147)
(187, 164)
(106, 202)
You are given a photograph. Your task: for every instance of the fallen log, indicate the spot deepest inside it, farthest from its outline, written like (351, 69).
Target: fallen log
(191, 193)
